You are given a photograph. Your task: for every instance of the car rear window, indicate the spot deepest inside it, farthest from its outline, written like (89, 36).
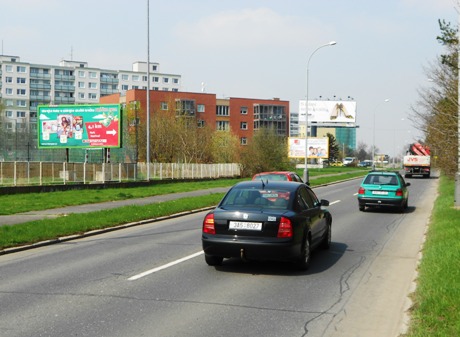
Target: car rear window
(381, 179)
(276, 177)
(257, 198)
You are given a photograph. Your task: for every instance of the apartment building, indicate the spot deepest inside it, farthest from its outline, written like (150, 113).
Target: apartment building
(24, 86)
(241, 116)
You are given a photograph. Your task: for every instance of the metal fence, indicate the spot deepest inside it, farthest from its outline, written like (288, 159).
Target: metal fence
(19, 173)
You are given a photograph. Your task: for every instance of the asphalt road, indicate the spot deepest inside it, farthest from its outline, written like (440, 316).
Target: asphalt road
(151, 280)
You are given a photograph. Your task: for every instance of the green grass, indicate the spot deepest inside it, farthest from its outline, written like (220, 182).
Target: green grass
(436, 308)
(52, 228)
(19, 203)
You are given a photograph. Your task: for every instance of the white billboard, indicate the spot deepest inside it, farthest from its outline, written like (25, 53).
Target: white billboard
(336, 112)
(317, 147)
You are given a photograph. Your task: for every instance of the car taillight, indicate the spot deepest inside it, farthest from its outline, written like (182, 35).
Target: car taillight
(361, 190)
(285, 228)
(208, 224)
(399, 192)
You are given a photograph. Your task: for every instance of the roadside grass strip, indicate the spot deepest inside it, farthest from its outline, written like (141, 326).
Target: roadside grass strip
(78, 224)
(436, 308)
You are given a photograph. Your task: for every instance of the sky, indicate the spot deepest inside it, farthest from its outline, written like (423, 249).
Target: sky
(253, 48)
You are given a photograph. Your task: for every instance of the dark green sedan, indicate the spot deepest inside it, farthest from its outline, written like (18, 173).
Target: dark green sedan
(383, 189)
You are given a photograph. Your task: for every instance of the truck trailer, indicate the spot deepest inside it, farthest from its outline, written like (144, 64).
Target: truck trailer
(417, 161)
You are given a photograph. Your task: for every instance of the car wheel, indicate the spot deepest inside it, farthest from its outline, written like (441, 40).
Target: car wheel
(212, 260)
(362, 208)
(305, 255)
(326, 244)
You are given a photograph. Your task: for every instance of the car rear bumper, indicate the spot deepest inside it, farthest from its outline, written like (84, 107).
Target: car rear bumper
(260, 250)
(387, 202)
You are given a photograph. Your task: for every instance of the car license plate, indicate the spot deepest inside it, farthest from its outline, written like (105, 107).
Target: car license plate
(252, 226)
(380, 192)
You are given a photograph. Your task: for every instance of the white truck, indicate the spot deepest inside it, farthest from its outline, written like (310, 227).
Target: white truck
(417, 161)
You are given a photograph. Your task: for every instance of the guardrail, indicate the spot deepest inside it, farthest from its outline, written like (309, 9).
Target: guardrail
(45, 173)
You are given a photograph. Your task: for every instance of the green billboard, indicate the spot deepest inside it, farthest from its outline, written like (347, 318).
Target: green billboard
(79, 126)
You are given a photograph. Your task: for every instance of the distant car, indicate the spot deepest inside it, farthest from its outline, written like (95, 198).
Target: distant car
(335, 163)
(365, 163)
(383, 189)
(348, 161)
(259, 220)
(278, 176)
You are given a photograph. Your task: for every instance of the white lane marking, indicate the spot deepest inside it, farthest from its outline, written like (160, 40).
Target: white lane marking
(151, 271)
(334, 202)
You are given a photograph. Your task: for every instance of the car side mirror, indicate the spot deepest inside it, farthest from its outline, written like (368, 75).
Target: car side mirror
(324, 202)
(407, 184)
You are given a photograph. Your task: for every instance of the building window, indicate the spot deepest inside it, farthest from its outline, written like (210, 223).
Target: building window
(244, 110)
(222, 125)
(185, 107)
(165, 79)
(124, 87)
(21, 92)
(22, 103)
(243, 125)
(81, 74)
(125, 77)
(81, 85)
(9, 113)
(200, 107)
(164, 106)
(92, 74)
(92, 85)
(21, 80)
(8, 80)
(144, 78)
(81, 95)
(135, 87)
(136, 78)
(21, 69)
(175, 89)
(20, 114)
(222, 110)
(9, 68)
(165, 89)
(243, 141)
(155, 88)
(92, 96)
(155, 79)
(175, 80)
(9, 91)
(154, 67)
(9, 102)
(201, 123)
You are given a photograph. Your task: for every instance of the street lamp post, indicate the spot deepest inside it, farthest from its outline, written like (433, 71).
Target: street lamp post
(373, 138)
(306, 178)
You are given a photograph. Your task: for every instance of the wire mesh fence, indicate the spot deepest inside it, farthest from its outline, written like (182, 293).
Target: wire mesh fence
(19, 173)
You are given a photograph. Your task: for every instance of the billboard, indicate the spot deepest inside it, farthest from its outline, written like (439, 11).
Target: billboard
(317, 147)
(330, 112)
(79, 126)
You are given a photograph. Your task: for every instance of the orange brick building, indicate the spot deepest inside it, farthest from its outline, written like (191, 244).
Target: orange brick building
(241, 116)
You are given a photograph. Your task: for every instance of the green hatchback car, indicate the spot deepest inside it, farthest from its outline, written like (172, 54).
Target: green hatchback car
(383, 189)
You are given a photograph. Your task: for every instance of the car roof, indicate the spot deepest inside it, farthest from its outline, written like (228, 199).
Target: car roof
(275, 172)
(286, 185)
(383, 173)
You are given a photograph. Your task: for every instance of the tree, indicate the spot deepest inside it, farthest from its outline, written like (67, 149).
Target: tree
(225, 147)
(267, 151)
(436, 111)
(361, 151)
(334, 152)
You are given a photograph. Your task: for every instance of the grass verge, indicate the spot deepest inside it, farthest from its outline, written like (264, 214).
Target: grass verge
(53, 228)
(437, 299)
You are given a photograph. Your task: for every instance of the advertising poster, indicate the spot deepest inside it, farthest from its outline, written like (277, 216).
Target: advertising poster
(317, 148)
(79, 126)
(335, 112)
